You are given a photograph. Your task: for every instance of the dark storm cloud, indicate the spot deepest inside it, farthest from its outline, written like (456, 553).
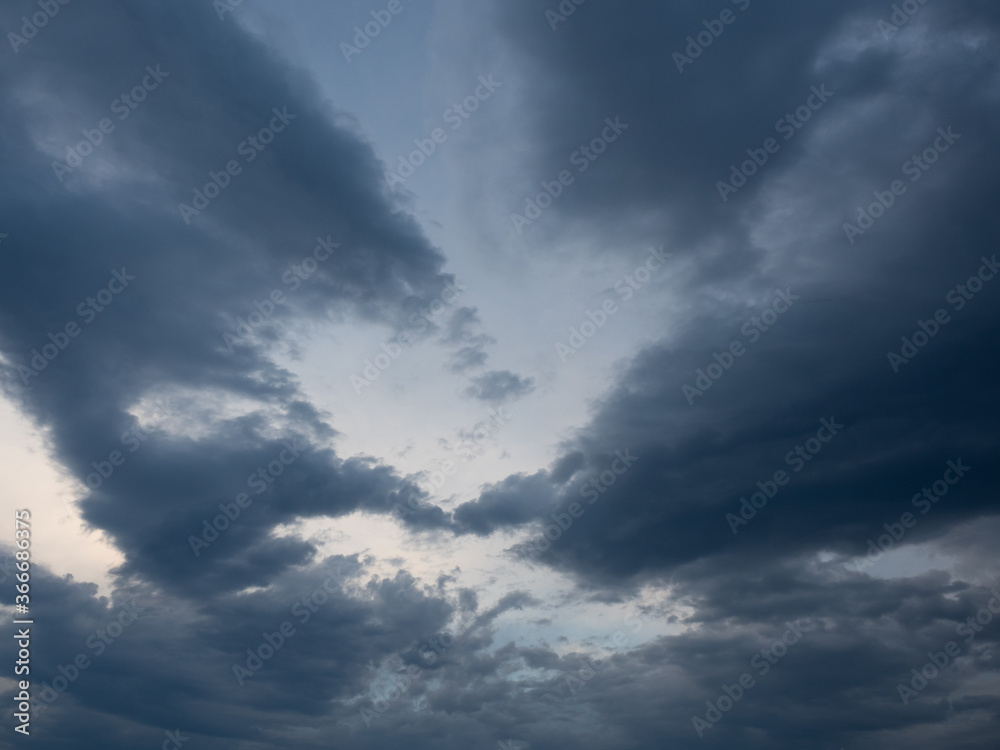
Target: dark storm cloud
(173, 666)
(812, 315)
(158, 297)
(197, 527)
(695, 463)
(514, 501)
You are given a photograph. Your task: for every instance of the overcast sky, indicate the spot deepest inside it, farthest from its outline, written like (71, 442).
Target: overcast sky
(511, 373)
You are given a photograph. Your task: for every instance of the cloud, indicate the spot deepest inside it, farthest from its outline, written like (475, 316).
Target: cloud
(514, 501)
(499, 386)
(471, 352)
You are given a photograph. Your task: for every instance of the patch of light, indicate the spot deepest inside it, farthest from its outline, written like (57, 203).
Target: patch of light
(203, 413)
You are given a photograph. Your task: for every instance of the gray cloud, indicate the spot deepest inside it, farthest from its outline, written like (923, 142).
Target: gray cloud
(499, 386)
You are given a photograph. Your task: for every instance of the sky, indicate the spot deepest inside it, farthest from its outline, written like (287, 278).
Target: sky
(516, 374)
